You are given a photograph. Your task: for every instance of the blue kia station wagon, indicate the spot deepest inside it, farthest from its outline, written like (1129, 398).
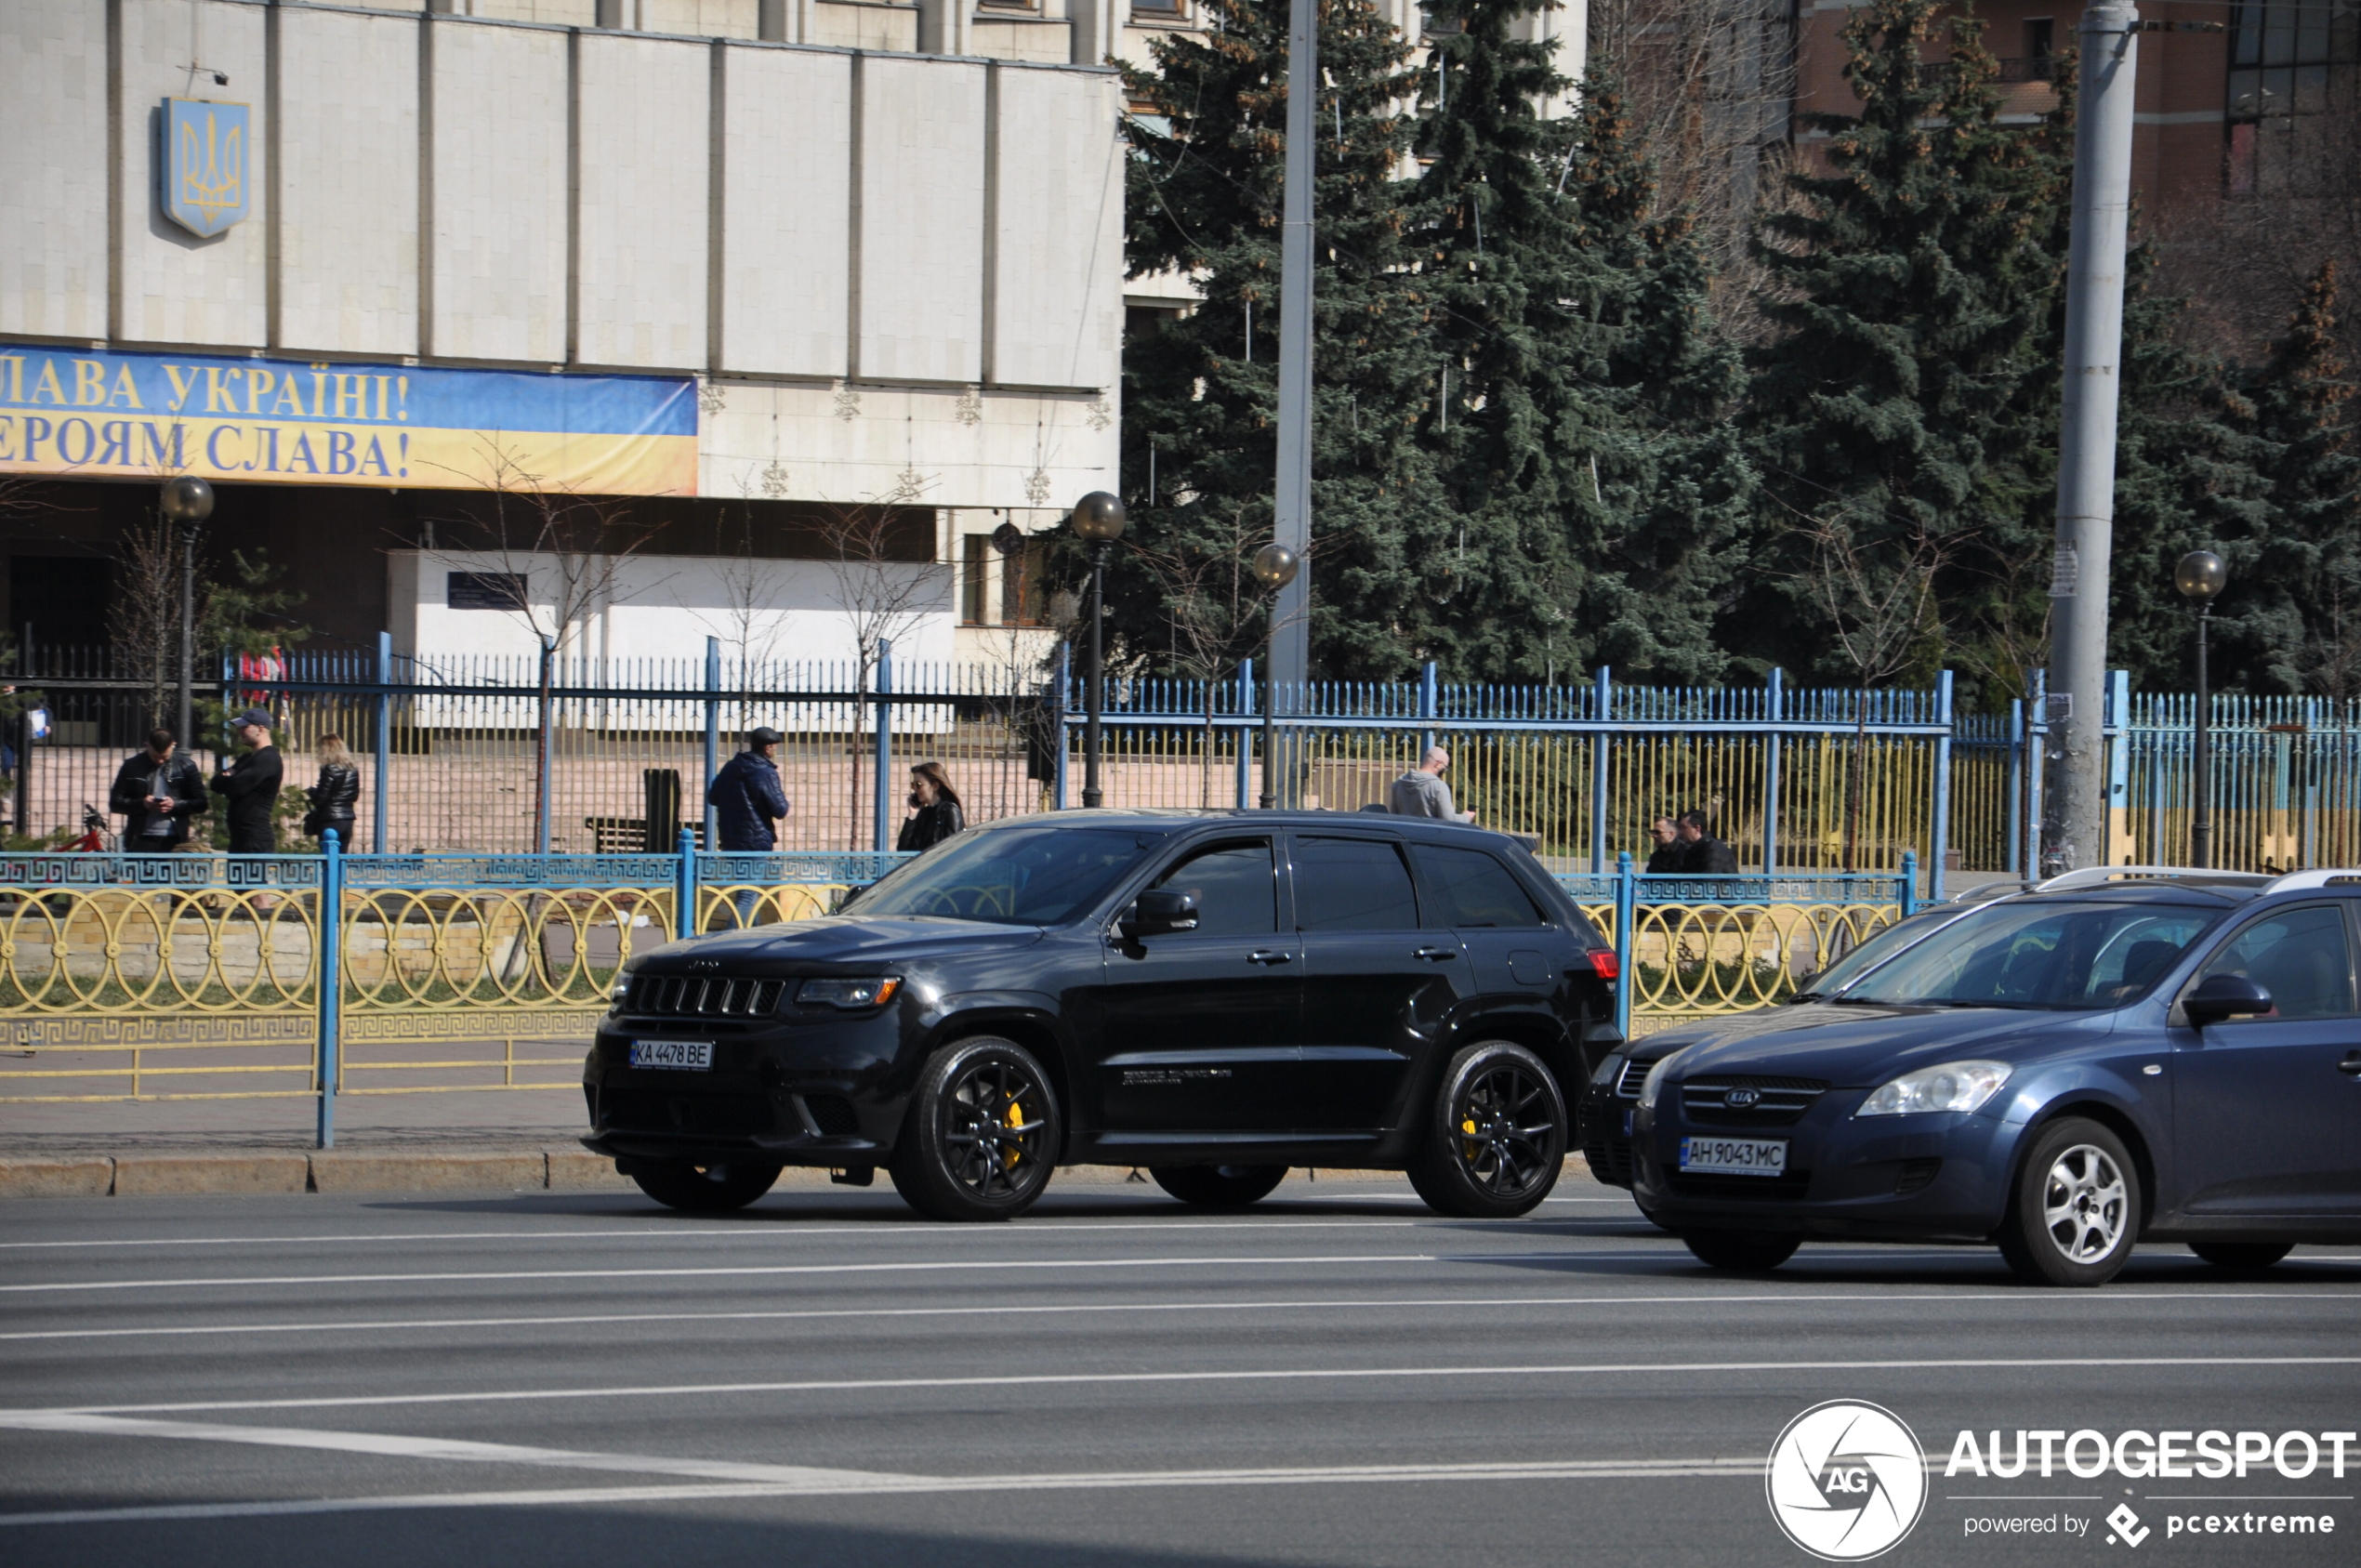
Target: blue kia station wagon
(2120, 1054)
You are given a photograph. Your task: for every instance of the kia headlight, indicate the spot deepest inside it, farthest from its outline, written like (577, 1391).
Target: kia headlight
(849, 994)
(1952, 1086)
(1656, 1079)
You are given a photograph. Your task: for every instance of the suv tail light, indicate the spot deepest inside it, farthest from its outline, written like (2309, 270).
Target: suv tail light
(1605, 964)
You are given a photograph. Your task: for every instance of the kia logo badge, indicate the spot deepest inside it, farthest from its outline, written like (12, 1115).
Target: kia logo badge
(1739, 1099)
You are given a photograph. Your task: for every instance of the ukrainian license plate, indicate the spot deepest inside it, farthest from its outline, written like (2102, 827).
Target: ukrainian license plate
(694, 1056)
(1735, 1156)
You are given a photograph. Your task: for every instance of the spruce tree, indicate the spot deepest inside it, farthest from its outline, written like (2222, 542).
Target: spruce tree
(1200, 389)
(1900, 452)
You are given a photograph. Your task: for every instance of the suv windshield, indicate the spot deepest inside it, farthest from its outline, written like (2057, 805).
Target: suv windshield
(1015, 877)
(2040, 955)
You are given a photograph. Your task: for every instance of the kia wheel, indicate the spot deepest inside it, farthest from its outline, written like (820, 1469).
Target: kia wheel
(1745, 1251)
(2241, 1257)
(2075, 1211)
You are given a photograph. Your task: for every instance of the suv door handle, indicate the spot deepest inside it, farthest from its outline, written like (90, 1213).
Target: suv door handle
(1436, 954)
(2351, 1065)
(1270, 956)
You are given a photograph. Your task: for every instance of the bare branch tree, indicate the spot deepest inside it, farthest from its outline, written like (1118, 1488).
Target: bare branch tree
(1214, 611)
(1878, 596)
(747, 620)
(883, 585)
(560, 555)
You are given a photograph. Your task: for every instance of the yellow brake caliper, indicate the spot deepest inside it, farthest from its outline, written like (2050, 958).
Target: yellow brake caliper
(1014, 1121)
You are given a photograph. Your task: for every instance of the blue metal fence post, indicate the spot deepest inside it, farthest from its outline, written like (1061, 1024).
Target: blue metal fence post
(1627, 910)
(1060, 702)
(1428, 706)
(2118, 741)
(1774, 703)
(881, 798)
(684, 887)
(2016, 783)
(2037, 765)
(1942, 827)
(1603, 684)
(381, 774)
(329, 980)
(1909, 883)
(1246, 735)
(712, 738)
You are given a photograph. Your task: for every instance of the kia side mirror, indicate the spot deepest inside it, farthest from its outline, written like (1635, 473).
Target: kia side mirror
(1160, 911)
(2221, 996)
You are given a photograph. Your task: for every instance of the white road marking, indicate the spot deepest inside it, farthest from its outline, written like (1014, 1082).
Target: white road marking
(753, 1230)
(1118, 1380)
(1913, 1302)
(1749, 1468)
(778, 1270)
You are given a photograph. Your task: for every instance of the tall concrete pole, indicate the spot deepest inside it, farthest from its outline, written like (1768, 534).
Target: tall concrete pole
(1291, 646)
(2074, 815)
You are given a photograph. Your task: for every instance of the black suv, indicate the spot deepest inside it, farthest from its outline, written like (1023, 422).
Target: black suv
(1215, 996)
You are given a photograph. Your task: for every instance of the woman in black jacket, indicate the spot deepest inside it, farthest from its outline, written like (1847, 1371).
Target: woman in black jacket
(934, 805)
(337, 796)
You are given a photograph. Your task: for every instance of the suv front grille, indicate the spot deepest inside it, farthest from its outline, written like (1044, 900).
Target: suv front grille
(1777, 1102)
(705, 996)
(635, 1109)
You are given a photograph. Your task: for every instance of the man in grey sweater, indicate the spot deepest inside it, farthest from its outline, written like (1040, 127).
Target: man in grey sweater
(1422, 793)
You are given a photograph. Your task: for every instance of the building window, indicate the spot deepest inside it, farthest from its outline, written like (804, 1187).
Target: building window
(1158, 13)
(2282, 53)
(973, 569)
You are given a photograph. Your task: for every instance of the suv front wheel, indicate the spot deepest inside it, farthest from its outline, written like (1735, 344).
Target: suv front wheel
(1496, 1137)
(1219, 1186)
(982, 1133)
(703, 1189)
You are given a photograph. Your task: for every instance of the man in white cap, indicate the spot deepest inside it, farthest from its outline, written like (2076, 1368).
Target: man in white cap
(1422, 793)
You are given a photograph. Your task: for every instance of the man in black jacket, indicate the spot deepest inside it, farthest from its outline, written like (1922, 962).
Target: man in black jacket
(250, 783)
(156, 793)
(1707, 856)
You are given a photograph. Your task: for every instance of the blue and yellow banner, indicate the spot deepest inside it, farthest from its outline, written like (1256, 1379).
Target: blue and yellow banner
(95, 414)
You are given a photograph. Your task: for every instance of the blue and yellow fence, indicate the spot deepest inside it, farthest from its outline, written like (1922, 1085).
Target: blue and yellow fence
(179, 977)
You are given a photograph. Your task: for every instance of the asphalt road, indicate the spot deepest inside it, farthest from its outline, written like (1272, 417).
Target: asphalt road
(1335, 1377)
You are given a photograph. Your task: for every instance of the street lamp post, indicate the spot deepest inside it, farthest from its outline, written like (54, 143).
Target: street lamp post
(1274, 568)
(188, 501)
(2200, 576)
(1099, 518)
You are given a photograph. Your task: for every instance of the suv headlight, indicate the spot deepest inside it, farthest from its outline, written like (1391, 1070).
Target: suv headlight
(1952, 1086)
(1655, 1080)
(620, 991)
(849, 994)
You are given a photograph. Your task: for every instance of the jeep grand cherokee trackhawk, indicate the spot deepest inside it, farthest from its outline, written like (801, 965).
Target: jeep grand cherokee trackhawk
(1215, 996)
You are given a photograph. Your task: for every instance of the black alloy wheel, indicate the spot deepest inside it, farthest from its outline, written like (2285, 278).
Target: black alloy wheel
(1498, 1139)
(2241, 1257)
(704, 1189)
(982, 1135)
(1745, 1251)
(1219, 1186)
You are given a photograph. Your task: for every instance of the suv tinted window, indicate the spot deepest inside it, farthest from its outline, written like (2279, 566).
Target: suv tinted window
(2299, 955)
(1235, 887)
(1471, 889)
(1353, 885)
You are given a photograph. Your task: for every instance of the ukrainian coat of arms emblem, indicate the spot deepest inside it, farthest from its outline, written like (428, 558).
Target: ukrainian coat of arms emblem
(208, 156)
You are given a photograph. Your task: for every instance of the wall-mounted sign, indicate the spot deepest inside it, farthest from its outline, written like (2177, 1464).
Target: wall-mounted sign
(209, 157)
(126, 415)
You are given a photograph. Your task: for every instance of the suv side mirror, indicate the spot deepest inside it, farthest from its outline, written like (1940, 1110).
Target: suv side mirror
(2221, 996)
(1159, 911)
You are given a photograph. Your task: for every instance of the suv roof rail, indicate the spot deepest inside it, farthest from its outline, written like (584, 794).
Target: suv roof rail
(2331, 878)
(2096, 876)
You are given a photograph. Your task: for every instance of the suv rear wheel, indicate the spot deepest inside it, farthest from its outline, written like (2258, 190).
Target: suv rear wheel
(2075, 1211)
(981, 1134)
(1219, 1186)
(703, 1189)
(1497, 1136)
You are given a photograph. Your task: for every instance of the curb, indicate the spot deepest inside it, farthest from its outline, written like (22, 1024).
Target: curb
(344, 1171)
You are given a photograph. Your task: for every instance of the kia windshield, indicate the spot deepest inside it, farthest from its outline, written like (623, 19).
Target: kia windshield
(2039, 954)
(1014, 876)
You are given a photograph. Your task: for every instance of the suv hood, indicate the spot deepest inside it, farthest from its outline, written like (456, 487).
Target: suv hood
(845, 939)
(1860, 1048)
